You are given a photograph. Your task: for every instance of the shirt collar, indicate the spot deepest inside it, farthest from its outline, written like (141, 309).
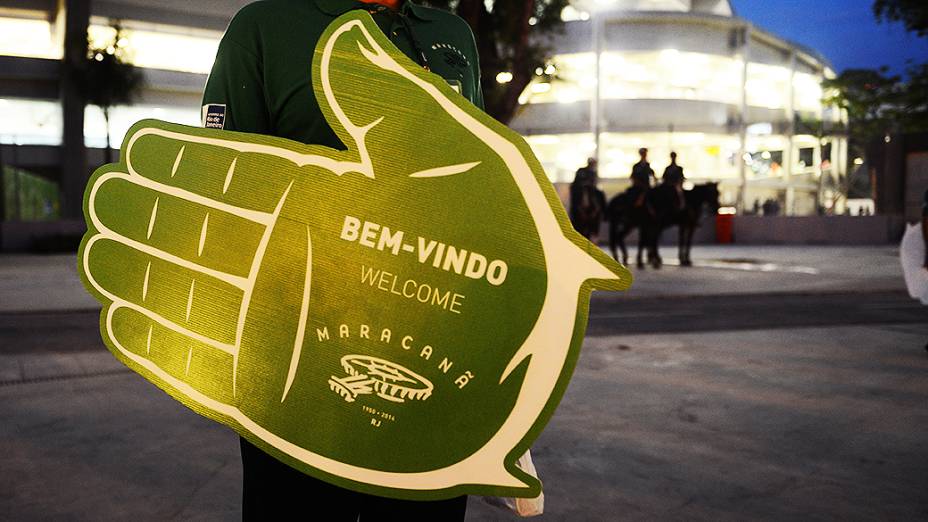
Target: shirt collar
(339, 7)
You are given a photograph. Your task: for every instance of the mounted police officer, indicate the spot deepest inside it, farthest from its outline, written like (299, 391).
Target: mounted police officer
(673, 177)
(642, 173)
(587, 202)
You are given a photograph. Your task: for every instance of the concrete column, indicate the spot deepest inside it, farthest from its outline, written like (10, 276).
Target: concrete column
(2, 197)
(745, 48)
(596, 102)
(788, 157)
(73, 154)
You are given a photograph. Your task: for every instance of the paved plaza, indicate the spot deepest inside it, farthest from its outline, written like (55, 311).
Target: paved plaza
(765, 383)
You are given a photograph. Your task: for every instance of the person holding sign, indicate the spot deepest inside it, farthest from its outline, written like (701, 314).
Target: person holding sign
(396, 314)
(260, 83)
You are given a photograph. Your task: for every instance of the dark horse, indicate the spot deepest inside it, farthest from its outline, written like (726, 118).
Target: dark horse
(587, 209)
(660, 210)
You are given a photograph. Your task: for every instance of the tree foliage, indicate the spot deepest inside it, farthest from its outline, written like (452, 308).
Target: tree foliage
(108, 79)
(511, 38)
(867, 96)
(912, 13)
(878, 104)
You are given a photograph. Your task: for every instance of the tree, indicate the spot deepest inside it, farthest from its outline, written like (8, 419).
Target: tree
(912, 13)
(912, 101)
(869, 96)
(511, 43)
(109, 79)
(878, 104)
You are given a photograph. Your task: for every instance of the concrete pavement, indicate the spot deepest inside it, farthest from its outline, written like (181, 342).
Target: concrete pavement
(49, 283)
(791, 388)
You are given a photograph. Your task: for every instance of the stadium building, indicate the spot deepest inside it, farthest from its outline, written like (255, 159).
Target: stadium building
(739, 105)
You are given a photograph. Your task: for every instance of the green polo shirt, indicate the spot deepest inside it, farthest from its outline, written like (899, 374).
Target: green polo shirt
(261, 79)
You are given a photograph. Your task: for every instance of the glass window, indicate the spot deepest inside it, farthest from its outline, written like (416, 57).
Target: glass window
(703, 156)
(767, 86)
(807, 93)
(670, 74)
(162, 47)
(28, 197)
(657, 75)
(122, 117)
(573, 79)
(30, 122)
(806, 157)
(765, 164)
(562, 154)
(32, 38)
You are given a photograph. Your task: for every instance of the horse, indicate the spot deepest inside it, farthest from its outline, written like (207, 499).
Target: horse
(624, 216)
(660, 210)
(587, 209)
(686, 219)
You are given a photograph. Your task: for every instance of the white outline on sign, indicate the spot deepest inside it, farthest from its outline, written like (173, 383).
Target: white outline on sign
(546, 347)
(372, 375)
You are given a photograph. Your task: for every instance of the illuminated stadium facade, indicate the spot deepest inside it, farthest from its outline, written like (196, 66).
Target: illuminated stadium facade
(739, 105)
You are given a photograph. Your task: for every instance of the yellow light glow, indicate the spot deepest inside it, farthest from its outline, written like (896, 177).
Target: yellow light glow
(161, 49)
(667, 74)
(28, 38)
(767, 86)
(30, 122)
(807, 92)
(539, 88)
(504, 77)
(102, 35)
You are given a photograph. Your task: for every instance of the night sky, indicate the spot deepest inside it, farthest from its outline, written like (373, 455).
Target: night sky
(844, 31)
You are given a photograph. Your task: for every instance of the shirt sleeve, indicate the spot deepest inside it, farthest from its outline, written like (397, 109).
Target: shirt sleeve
(475, 66)
(235, 89)
(478, 95)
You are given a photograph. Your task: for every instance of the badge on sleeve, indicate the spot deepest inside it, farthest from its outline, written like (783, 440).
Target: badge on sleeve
(213, 116)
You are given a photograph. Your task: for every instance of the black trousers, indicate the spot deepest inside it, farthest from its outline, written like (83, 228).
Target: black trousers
(273, 490)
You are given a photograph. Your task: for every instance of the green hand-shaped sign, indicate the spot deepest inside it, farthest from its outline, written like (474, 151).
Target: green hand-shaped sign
(400, 318)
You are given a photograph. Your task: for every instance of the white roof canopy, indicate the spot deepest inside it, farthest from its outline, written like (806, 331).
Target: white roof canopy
(716, 7)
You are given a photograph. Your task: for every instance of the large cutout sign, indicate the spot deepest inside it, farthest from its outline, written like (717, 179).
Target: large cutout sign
(400, 318)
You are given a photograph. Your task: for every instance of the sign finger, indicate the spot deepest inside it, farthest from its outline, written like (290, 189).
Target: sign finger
(251, 175)
(192, 303)
(218, 237)
(177, 359)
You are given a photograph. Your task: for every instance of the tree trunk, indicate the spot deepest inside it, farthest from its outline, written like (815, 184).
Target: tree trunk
(520, 81)
(109, 150)
(73, 161)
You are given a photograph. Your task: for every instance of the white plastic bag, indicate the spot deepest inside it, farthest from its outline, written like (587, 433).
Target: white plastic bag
(524, 507)
(912, 256)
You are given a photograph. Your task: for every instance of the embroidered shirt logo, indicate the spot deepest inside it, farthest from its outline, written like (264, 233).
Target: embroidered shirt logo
(452, 55)
(213, 116)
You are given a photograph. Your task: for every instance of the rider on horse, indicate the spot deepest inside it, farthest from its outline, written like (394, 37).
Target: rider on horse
(587, 202)
(641, 179)
(673, 177)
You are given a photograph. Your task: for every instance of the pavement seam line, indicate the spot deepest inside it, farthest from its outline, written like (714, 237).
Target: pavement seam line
(67, 377)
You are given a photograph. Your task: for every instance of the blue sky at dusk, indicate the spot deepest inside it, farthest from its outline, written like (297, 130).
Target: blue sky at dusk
(844, 31)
